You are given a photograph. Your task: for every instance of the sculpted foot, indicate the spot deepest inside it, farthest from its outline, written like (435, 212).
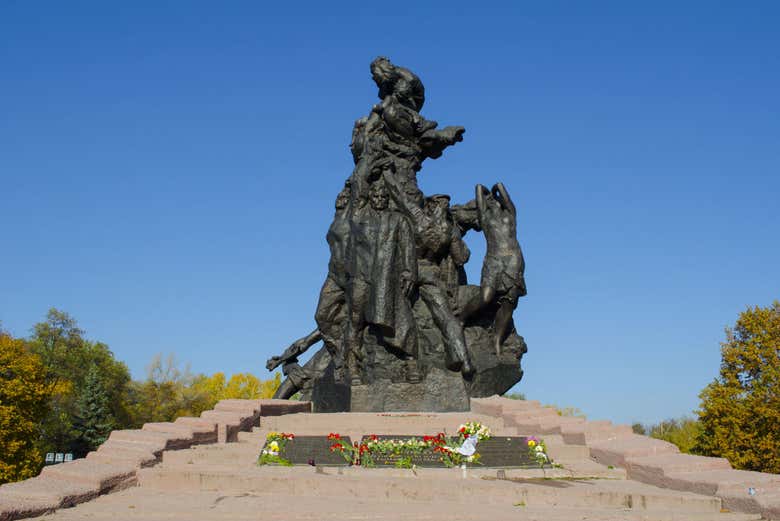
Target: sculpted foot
(455, 365)
(467, 369)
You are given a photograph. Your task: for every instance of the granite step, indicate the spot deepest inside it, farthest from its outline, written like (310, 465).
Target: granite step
(380, 423)
(198, 432)
(157, 441)
(140, 504)
(615, 452)
(426, 485)
(591, 432)
(104, 477)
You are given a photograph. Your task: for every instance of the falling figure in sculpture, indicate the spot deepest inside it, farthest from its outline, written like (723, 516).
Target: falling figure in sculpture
(329, 316)
(503, 279)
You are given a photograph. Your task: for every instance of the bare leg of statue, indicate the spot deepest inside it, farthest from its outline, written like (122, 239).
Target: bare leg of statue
(353, 334)
(450, 327)
(503, 319)
(286, 390)
(484, 298)
(329, 315)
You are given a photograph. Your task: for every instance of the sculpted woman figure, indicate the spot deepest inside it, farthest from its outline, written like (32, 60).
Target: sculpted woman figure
(503, 279)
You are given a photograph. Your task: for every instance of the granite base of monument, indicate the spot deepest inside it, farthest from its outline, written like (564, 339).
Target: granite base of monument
(438, 390)
(441, 391)
(327, 395)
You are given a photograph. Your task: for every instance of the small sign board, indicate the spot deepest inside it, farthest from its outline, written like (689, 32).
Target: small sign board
(68, 457)
(49, 457)
(505, 452)
(59, 457)
(312, 450)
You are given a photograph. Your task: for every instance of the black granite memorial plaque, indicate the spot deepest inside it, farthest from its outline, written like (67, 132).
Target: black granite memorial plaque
(312, 450)
(505, 451)
(425, 458)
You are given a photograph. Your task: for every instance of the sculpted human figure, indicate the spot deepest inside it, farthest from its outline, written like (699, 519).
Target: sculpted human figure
(503, 270)
(382, 273)
(296, 376)
(329, 315)
(437, 239)
(395, 130)
(333, 293)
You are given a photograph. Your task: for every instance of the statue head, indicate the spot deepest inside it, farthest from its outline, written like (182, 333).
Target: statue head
(438, 205)
(378, 196)
(466, 216)
(342, 200)
(414, 195)
(400, 81)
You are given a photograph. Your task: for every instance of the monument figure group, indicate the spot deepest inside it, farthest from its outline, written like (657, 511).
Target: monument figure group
(400, 326)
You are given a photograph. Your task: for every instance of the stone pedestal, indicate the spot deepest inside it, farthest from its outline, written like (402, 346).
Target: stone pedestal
(388, 384)
(441, 391)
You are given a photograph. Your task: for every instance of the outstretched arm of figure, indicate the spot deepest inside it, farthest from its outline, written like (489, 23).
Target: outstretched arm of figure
(433, 142)
(503, 197)
(296, 349)
(480, 192)
(465, 216)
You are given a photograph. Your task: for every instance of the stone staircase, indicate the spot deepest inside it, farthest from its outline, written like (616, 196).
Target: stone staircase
(645, 460)
(205, 468)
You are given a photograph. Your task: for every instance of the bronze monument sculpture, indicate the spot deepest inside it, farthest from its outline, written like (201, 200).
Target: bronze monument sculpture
(401, 328)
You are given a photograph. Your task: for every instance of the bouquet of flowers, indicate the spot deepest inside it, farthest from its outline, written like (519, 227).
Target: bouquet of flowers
(470, 429)
(274, 444)
(538, 451)
(349, 452)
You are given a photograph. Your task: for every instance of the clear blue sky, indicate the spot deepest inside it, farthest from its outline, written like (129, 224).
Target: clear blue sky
(168, 171)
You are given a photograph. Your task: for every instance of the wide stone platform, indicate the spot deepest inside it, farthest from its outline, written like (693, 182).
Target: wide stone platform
(607, 473)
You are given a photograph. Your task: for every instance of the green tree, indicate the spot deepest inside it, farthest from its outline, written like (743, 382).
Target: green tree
(93, 420)
(515, 396)
(740, 410)
(24, 398)
(683, 432)
(68, 357)
(164, 394)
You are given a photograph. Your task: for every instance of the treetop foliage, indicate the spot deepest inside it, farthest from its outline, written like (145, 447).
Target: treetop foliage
(24, 396)
(740, 410)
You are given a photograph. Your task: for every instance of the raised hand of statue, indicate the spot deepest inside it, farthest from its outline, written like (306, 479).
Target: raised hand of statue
(453, 134)
(433, 142)
(273, 363)
(296, 349)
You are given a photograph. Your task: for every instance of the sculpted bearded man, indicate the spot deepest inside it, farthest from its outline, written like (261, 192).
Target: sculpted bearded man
(380, 277)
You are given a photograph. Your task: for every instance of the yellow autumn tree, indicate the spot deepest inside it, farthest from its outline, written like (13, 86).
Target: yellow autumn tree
(170, 391)
(24, 397)
(740, 410)
(240, 385)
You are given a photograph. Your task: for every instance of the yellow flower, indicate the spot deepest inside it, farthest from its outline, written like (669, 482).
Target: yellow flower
(273, 446)
(531, 443)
